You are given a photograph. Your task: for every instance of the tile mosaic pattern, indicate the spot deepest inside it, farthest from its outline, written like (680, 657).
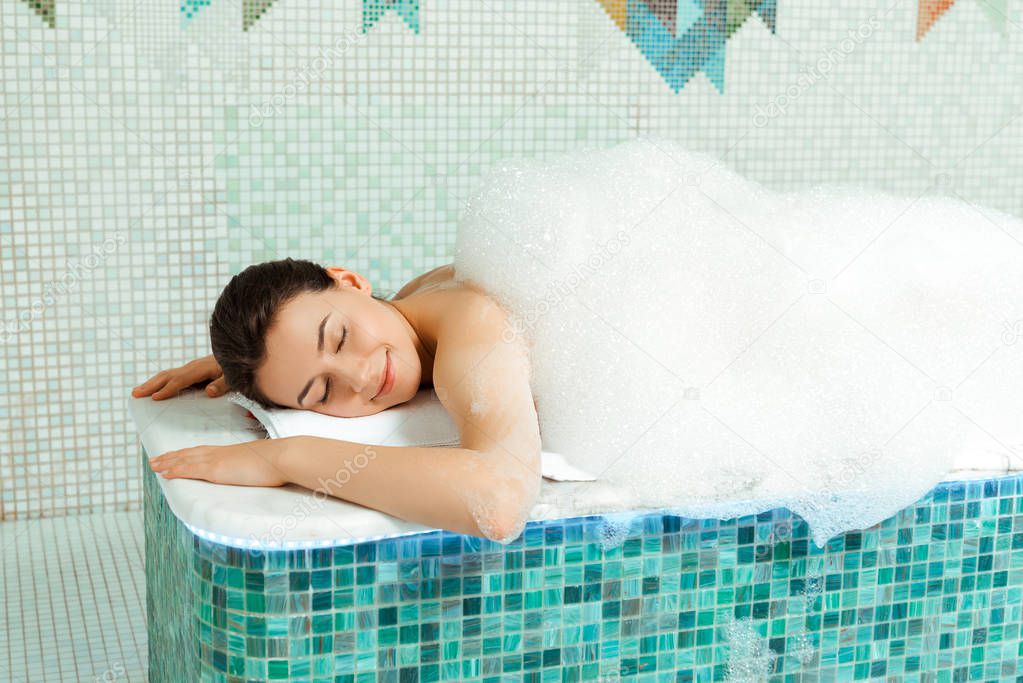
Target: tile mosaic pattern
(189, 8)
(932, 10)
(934, 593)
(372, 10)
(252, 10)
(408, 10)
(681, 37)
(45, 9)
(72, 599)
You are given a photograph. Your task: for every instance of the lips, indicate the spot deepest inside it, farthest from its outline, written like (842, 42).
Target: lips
(385, 375)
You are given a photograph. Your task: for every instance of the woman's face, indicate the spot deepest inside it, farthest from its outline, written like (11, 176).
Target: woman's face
(377, 347)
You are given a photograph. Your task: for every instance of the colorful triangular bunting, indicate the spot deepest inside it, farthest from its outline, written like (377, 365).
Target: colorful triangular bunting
(930, 11)
(681, 37)
(372, 10)
(252, 10)
(45, 9)
(189, 8)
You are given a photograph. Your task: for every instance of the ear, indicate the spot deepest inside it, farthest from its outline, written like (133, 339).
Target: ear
(345, 277)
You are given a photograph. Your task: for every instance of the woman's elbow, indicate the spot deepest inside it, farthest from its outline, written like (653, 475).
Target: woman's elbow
(502, 512)
(503, 529)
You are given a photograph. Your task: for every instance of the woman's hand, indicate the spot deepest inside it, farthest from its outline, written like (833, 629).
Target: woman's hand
(252, 463)
(168, 383)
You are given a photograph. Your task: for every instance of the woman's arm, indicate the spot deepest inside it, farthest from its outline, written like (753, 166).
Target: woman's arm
(424, 484)
(488, 485)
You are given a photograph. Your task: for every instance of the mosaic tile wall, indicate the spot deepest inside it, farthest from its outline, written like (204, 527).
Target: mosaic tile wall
(151, 149)
(932, 594)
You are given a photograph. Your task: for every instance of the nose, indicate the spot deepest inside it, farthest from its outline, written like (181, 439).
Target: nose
(359, 374)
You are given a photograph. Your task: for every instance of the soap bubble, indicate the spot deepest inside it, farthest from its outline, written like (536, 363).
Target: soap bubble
(750, 660)
(708, 346)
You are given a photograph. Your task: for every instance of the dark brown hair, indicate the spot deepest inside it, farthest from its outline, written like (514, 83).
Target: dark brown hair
(245, 311)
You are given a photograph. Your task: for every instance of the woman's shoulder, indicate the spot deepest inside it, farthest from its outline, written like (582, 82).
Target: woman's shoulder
(428, 280)
(445, 307)
(442, 280)
(438, 301)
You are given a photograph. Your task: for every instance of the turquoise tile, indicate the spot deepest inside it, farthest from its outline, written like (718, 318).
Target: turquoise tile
(933, 591)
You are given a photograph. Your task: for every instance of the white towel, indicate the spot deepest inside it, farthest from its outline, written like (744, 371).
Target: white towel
(422, 421)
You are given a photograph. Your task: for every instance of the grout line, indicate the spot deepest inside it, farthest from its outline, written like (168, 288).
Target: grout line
(30, 528)
(128, 573)
(43, 552)
(21, 607)
(131, 539)
(108, 594)
(4, 618)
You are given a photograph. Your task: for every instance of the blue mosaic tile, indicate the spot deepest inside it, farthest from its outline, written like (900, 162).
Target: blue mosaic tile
(934, 593)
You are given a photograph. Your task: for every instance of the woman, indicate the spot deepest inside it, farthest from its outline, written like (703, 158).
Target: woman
(294, 334)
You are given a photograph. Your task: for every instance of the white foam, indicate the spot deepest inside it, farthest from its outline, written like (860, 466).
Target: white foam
(713, 347)
(749, 658)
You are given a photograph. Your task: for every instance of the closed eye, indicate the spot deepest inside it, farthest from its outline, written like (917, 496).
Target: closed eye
(326, 391)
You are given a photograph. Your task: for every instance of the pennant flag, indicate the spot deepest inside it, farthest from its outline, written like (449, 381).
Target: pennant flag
(252, 10)
(372, 10)
(45, 9)
(189, 8)
(681, 37)
(930, 11)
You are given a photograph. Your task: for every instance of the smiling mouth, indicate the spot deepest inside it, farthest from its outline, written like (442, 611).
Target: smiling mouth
(383, 378)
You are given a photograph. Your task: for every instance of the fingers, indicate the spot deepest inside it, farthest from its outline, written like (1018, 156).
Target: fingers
(168, 383)
(217, 387)
(184, 462)
(143, 389)
(161, 463)
(171, 388)
(154, 383)
(167, 457)
(170, 469)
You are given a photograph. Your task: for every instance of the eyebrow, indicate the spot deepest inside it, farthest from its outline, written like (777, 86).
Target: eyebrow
(319, 347)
